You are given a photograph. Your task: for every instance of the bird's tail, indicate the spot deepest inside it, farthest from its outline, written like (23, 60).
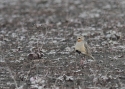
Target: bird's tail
(91, 57)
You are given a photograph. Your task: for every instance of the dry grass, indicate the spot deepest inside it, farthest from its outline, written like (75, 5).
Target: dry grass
(46, 31)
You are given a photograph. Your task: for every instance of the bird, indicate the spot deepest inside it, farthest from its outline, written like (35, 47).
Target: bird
(82, 47)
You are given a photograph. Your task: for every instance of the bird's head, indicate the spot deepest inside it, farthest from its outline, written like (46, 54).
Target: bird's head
(80, 38)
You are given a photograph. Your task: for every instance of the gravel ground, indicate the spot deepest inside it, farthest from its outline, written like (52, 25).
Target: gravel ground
(37, 38)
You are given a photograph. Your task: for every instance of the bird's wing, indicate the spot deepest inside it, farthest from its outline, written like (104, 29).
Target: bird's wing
(88, 51)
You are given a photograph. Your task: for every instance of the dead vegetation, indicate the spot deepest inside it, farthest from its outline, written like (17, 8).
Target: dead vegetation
(37, 39)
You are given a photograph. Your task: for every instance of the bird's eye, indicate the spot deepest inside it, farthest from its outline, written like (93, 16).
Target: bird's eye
(78, 38)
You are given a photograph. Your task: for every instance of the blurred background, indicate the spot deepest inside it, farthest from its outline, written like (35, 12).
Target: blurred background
(37, 38)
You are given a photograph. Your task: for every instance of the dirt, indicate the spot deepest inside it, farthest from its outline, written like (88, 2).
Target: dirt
(37, 39)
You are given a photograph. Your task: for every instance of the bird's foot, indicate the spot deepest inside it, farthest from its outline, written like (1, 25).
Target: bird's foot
(82, 62)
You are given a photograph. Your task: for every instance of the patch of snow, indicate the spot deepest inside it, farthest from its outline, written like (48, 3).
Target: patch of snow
(68, 49)
(104, 77)
(21, 58)
(69, 78)
(60, 78)
(22, 38)
(14, 35)
(89, 15)
(38, 25)
(107, 6)
(52, 52)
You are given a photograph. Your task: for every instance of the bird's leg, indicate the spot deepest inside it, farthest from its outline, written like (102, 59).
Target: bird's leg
(84, 57)
(82, 60)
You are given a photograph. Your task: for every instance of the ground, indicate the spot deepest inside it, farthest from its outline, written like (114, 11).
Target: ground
(37, 39)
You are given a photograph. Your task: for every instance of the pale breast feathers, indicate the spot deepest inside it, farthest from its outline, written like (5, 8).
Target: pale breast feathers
(80, 47)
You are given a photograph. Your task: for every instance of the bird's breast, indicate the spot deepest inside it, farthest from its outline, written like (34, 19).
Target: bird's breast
(80, 47)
